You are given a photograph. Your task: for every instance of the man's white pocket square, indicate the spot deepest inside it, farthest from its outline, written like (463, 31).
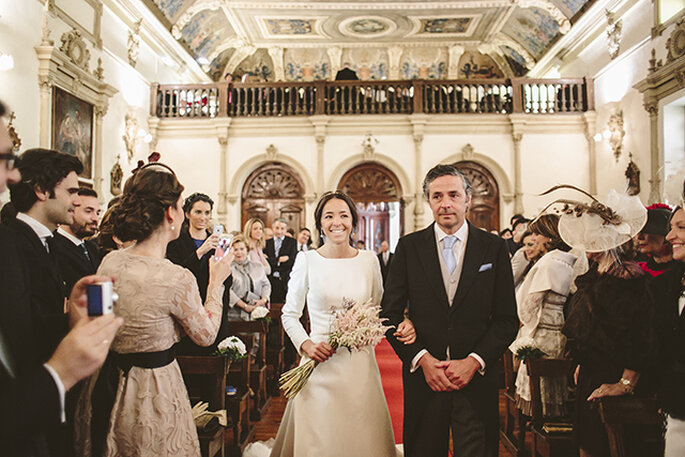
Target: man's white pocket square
(485, 267)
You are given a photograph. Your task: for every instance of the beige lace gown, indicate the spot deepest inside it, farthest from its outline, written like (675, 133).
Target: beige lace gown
(158, 300)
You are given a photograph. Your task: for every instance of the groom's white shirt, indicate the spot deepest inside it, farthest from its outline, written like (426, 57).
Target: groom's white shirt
(451, 281)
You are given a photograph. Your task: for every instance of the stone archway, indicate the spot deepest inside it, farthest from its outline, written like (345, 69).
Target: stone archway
(274, 190)
(484, 210)
(378, 194)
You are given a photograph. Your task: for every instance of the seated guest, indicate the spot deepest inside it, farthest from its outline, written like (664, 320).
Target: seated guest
(254, 237)
(652, 243)
(667, 295)
(540, 300)
(77, 256)
(192, 250)
(140, 401)
(608, 324)
(251, 287)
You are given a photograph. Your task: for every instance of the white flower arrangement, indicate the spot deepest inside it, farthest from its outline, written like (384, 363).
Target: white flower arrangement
(232, 347)
(354, 326)
(258, 313)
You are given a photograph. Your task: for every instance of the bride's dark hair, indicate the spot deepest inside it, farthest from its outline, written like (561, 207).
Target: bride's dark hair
(328, 196)
(148, 194)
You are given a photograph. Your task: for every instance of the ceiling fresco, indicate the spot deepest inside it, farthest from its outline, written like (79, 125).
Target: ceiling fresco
(221, 34)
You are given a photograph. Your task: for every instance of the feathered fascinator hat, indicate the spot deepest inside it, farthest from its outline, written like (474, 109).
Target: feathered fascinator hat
(597, 226)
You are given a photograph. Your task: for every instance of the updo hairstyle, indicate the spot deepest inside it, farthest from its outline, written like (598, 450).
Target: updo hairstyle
(325, 198)
(149, 193)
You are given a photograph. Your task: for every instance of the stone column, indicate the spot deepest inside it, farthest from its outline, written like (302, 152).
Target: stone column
(319, 123)
(276, 54)
(221, 126)
(98, 151)
(394, 56)
(656, 185)
(418, 122)
(46, 84)
(335, 54)
(590, 118)
(455, 53)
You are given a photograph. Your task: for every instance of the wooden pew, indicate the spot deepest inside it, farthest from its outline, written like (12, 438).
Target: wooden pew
(546, 442)
(257, 378)
(238, 405)
(275, 349)
(619, 414)
(513, 428)
(205, 379)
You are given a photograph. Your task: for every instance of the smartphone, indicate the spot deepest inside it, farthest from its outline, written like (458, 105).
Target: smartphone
(224, 245)
(218, 229)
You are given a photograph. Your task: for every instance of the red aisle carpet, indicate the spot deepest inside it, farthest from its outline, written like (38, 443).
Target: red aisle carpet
(390, 367)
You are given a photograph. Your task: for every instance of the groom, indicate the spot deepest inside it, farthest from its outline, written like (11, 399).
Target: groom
(456, 281)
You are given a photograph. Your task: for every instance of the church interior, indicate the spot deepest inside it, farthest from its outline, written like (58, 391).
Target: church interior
(244, 101)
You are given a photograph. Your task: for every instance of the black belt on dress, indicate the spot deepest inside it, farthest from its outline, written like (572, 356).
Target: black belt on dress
(144, 359)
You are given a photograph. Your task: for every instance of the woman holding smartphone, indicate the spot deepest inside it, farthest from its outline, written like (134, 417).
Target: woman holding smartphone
(192, 250)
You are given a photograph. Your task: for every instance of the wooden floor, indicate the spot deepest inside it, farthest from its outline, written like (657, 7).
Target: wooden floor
(268, 426)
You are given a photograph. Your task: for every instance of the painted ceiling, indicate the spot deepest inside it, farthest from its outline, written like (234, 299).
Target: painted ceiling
(504, 37)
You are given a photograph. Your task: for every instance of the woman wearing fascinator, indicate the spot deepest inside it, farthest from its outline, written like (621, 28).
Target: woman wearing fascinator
(667, 295)
(608, 324)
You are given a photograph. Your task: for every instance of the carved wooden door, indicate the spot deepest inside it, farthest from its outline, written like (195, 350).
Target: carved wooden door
(372, 186)
(484, 210)
(274, 190)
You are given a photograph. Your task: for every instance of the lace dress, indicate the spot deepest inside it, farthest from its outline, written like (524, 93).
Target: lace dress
(540, 300)
(341, 411)
(151, 416)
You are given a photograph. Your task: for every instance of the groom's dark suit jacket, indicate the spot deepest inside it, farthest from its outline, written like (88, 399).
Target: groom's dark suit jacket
(482, 318)
(72, 261)
(33, 323)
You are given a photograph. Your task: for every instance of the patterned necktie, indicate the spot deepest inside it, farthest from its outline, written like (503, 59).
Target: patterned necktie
(448, 253)
(277, 245)
(85, 250)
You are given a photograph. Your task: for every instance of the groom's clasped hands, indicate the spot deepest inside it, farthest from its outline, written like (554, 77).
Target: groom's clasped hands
(444, 376)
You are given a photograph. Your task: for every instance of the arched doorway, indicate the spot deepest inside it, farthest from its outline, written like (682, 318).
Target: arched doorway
(484, 211)
(378, 194)
(274, 190)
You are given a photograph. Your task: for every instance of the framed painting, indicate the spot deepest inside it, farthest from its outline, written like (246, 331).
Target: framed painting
(72, 129)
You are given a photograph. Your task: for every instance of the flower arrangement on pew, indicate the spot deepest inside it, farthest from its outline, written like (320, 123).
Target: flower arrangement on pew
(527, 349)
(232, 347)
(355, 326)
(261, 314)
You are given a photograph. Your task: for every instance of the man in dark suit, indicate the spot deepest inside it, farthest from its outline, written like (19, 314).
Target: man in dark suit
(384, 258)
(77, 257)
(456, 280)
(346, 74)
(280, 252)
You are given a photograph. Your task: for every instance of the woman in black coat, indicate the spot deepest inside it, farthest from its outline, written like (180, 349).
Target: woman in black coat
(192, 250)
(667, 293)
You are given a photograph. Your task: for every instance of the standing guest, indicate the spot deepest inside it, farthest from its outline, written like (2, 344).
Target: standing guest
(254, 237)
(652, 243)
(280, 252)
(608, 318)
(147, 413)
(77, 256)
(519, 225)
(192, 250)
(667, 295)
(505, 234)
(106, 240)
(384, 258)
(304, 239)
(361, 245)
(39, 361)
(290, 232)
(541, 299)
(456, 280)
(524, 258)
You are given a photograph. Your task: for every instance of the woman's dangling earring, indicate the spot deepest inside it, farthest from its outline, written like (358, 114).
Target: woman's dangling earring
(173, 227)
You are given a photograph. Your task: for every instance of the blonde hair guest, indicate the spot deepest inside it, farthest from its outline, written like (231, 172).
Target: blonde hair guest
(253, 231)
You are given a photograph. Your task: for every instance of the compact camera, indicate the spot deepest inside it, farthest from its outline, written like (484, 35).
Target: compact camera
(101, 298)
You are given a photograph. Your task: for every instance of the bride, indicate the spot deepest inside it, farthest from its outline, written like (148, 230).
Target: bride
(341, 411)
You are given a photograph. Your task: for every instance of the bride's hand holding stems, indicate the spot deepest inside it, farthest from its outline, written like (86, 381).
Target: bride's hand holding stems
(319, 352)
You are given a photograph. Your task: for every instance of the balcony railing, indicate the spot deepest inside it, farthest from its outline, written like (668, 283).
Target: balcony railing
(473, 96)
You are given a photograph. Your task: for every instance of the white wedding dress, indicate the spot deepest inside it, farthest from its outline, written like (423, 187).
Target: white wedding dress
(341, 411)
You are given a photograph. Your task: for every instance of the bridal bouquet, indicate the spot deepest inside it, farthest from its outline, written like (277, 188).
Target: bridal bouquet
(232, 347)
(354, 326)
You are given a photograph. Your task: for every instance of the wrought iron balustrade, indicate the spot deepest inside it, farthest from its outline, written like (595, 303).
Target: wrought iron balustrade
(472, 96)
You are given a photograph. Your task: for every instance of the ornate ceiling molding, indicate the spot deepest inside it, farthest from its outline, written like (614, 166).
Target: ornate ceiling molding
(505, 40)
(198, 6)
(551, 8)
(370, 5)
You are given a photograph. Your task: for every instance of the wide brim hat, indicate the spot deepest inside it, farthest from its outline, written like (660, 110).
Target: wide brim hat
(600, 226)
(657, 221)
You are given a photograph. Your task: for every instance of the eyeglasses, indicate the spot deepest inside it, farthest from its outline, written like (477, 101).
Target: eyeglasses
(9, 159)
